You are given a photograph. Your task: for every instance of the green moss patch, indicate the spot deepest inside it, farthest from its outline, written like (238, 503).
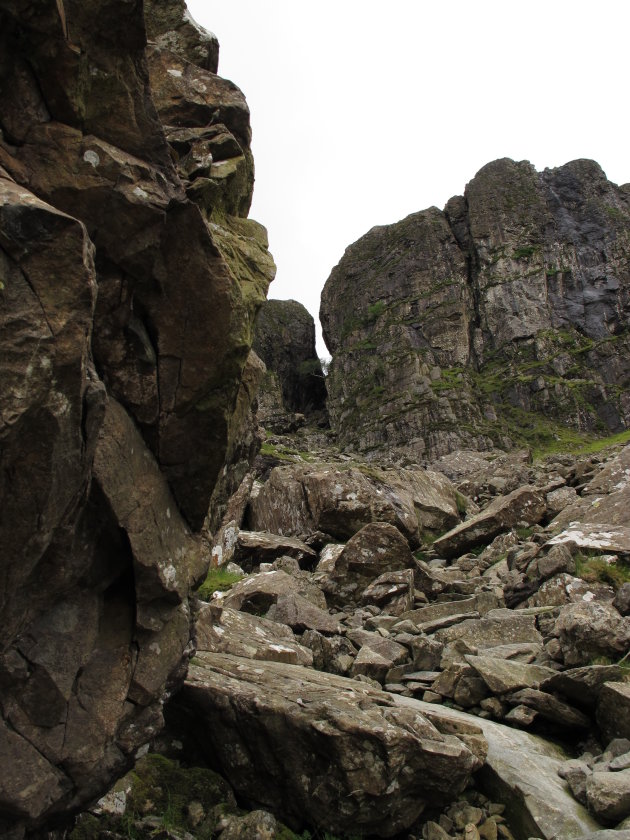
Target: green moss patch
(217, 580)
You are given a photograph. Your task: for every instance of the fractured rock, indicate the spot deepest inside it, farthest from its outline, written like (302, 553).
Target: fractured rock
(523, 505)
(321, 748)
(376, 549)
(254, 547)
(589, 629)
(503, 675)
(613, 710)
(223, 630)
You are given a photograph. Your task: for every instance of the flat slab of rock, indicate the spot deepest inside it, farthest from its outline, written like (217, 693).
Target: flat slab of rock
(256, 547)
(440, 609)
(522, 770)
(527, 504)
(503, 675)
(605, 538)
(222, 630)
(498, 627)
(319, 747)
(257, 593)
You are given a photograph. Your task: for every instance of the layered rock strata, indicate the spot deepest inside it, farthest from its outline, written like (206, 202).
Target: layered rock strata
(502, 319)
(129, 283)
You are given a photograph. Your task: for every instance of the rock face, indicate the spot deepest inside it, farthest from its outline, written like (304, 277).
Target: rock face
(500, 320)
(128, 291)
(285, 340)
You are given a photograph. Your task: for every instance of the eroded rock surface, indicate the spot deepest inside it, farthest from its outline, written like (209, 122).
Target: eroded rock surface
(500, 320)
(119, 410)
(371, 766)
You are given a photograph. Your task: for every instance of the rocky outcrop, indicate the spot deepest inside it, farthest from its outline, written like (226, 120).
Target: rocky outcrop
(285, 340)
(502, 320)
(129, 283)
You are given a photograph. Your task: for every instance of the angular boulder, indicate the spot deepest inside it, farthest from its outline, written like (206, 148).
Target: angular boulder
(256, 593)
(321, 748)
(299, 500)
(222, 630)
(613, 710)
(590, 629)
(527, 504)
(375, 550)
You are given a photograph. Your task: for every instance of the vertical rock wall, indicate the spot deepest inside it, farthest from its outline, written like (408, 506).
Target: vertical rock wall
(129, 282)
(502, 320)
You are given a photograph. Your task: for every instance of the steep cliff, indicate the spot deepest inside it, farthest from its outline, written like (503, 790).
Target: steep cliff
(285, 340)
(129, 282)
(501, 320)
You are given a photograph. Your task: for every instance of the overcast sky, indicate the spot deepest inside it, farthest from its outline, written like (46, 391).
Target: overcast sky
(363, 112)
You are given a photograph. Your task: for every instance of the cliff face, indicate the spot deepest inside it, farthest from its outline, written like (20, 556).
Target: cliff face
(285, 341)
(501, 320)
(130, 279)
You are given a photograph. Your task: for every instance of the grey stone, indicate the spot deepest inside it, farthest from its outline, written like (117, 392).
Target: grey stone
(222, 630)
(523, 769)
(608, 795)
(502, 675)
(389, 761)
(613, 710)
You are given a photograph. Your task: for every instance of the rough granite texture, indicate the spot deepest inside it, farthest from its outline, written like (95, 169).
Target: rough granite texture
(129, 283)
(501, 320)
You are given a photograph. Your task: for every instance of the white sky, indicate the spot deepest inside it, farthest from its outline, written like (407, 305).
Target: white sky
(366, 111)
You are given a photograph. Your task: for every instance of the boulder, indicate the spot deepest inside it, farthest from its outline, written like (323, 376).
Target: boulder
(256, 593)
(550, 708)
(503, 675)
(564, 589)
(608, 795)
(498, 627)
(392, 592)
(589, 629)
(604, 537)
(521, 770)
(582, 686)
(377, 657)
(334, 654)
(605, 500)
(317, 747)
(613, 710)
(254, 547)
(375, 550)
(299, 500)
(523, 505)
(621, 601)
(300, 614)
(223, 630)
